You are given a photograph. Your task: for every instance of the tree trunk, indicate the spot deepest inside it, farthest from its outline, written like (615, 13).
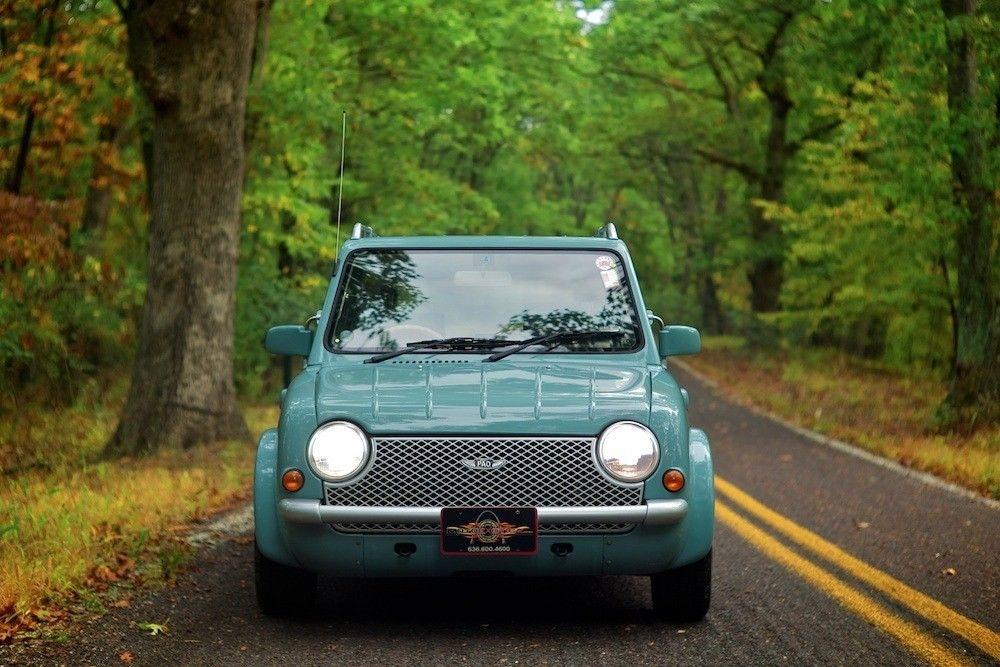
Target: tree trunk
(286, 263)
(766, 273)
(688, 216)
(192, 60)
(975, 389)
(97, 204)
(16, 176)
(713, 318)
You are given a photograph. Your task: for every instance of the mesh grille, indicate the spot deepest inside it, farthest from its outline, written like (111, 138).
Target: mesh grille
(434, 472)
(546, 528)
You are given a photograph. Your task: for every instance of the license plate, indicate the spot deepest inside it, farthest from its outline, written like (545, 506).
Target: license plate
(489, 531)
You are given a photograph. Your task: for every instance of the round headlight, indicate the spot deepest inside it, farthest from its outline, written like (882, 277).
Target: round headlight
(628, 451)
(338, 450)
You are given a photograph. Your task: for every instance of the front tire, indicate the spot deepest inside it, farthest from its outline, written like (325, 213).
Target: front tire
(683, 594)
(282, 590)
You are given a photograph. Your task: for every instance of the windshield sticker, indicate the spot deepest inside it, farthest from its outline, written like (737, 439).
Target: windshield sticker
(604, 262)
(610, 279)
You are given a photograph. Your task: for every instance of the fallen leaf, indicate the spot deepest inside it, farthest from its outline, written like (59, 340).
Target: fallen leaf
(861, 525)
(126, 657)
(124, 565)
(949, 571)
(153, 629)
(121, 604)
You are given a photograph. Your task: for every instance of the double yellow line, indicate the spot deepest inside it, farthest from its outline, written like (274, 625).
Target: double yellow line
(911, 636)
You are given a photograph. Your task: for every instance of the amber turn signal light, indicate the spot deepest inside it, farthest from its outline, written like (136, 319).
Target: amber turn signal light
(673, 480)
(292, 480)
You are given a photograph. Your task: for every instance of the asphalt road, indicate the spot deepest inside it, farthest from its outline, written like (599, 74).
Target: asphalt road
(847, 562)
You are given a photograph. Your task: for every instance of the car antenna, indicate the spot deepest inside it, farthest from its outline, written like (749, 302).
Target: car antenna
(340, 193)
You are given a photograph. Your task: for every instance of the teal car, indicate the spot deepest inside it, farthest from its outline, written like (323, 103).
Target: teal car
(484, 406)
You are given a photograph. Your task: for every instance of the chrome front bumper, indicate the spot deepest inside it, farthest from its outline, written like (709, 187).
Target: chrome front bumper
(652, 513)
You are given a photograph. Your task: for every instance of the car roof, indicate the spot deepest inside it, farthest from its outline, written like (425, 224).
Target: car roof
(486, 242)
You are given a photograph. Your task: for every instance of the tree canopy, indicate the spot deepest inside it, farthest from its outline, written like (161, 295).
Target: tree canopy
(817, 173)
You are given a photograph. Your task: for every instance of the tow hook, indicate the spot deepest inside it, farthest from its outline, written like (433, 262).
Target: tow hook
(562, 549)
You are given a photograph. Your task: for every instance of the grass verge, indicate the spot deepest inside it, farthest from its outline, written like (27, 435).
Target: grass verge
(858, 402)
(77, 534)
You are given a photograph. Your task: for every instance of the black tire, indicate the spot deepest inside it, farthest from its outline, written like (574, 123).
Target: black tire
(682, 595)
(282, 590)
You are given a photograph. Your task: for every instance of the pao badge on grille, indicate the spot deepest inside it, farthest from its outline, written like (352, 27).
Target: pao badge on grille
(484, 464)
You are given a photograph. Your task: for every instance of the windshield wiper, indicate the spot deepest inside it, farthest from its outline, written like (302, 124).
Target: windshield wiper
(553, 339)
(444, 344)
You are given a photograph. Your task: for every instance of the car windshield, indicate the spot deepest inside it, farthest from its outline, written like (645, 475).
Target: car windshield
(393, 298)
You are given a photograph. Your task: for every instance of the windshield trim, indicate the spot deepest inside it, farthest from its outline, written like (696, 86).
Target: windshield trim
(640, 339)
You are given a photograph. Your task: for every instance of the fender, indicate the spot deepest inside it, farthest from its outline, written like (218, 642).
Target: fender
(700, 522)
(265, 504)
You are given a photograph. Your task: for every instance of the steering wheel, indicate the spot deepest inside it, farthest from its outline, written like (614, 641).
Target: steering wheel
(408, 333)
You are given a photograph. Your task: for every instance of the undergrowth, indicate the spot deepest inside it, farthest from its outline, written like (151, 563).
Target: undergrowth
(77, 532)
(861, 402)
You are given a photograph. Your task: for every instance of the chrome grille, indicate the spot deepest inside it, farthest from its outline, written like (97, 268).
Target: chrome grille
(429, 472)
(546, 528)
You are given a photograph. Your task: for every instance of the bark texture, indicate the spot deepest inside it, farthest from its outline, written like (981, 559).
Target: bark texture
(192, 59)
(975, 389)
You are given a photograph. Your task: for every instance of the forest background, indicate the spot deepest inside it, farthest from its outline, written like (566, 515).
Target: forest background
(814, 184)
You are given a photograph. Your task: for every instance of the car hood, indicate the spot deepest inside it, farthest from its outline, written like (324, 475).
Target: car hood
(461, 396)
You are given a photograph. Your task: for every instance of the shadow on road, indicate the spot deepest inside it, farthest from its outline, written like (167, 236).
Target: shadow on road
(475, 602)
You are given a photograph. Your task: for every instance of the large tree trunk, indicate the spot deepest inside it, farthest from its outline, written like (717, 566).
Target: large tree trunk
(975, 389)
(192, 61)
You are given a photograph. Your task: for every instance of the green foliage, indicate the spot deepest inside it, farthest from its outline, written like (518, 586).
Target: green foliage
(68, 297)
(449, 119)
(62, 314)
(518, 118)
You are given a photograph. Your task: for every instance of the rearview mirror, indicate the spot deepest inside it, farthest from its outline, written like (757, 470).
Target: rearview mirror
(677, 340)
(289, 340)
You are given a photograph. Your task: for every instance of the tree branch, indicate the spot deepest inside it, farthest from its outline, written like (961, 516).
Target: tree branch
(770, 50)
(747, 46)
(669, 84)
(729, 163)
(728, 94)
(822, 129)
(813, 133)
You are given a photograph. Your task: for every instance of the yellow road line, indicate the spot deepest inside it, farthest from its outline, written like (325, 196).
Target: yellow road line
(921, 604)
(912, 637)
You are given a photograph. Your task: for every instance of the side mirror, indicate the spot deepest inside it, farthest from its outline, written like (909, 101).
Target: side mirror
(289, 340)
(677, 340)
